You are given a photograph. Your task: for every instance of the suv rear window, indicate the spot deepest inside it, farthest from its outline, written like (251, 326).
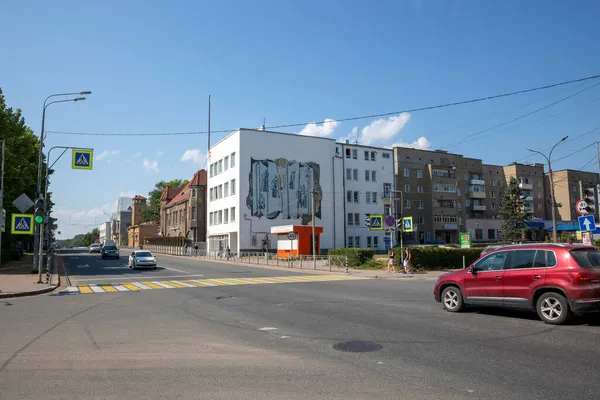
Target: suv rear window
(587, 258)
(110, 248)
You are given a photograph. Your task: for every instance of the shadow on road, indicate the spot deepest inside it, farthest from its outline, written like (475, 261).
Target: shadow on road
(592, 319)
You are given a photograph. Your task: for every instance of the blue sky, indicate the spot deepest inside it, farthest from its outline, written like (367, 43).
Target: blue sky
(152, 64)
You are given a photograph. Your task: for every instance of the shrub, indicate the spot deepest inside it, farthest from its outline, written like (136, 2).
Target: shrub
(356, 257)
(597, 243)
(436, 258)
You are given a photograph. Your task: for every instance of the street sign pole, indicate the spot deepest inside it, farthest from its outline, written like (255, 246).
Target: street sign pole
(2, 199)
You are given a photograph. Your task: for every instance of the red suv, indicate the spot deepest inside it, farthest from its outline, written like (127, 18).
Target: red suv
(553, 279)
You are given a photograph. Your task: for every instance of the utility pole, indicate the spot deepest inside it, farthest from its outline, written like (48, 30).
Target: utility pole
(552, 198)
(2, 199)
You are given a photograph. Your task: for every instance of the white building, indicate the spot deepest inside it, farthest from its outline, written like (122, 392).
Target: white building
(104, 229)
(368, 184)
(269, 183)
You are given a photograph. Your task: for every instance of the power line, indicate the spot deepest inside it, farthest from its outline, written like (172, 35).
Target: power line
(410, 110)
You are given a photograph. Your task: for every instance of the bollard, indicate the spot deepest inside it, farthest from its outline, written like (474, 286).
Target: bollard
(346, 262)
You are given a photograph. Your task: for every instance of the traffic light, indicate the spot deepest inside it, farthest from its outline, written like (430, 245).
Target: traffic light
(589, 196)
(39, 211)
(368, 221)
(51, 223)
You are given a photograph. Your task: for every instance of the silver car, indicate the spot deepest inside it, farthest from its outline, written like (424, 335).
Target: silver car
(95, 248)
(142, 259)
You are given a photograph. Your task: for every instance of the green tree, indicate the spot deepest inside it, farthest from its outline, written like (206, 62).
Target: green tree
(152, 212)
(511, 212)
(20, 163)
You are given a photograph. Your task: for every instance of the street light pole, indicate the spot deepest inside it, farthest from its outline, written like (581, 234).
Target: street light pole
(38, 238)
(552, 198)
(401, 230)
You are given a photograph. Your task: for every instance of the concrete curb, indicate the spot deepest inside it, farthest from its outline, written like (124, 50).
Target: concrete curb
(47, 289)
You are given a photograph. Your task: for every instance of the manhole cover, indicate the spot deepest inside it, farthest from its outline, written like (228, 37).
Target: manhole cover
(358, 346)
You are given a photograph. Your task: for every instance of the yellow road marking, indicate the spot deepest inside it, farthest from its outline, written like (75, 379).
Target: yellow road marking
(152, 285)
(85, 289)
(108, 288)
(130, 286)
(177, 285)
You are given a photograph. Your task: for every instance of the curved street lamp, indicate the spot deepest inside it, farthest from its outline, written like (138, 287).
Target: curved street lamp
(552, 199)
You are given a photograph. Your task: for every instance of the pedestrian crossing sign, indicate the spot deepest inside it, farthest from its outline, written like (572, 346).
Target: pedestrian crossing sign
(82, 159)
(407, 224)
(376, 222)
(22, 224)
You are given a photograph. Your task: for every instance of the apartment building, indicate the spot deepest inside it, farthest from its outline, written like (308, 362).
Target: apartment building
(183, 210)
(531, 182)
(368, 188)
(104, 232)
(569, 187)
(260, 179)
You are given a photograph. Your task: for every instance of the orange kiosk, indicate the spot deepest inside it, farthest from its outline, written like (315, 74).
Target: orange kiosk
(295, 240)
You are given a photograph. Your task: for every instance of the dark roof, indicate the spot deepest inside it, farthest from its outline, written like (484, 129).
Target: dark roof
(184, 194)
(139, 197)
(169, 193)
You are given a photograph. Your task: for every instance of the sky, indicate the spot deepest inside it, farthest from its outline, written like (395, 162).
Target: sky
(151, 66)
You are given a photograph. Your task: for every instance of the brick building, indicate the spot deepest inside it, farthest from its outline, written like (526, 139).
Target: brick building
(139, 230)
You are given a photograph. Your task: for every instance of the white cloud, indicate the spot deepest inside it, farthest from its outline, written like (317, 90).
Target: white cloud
(106, 153)
(150, 165)
(323, 130)
(383, 130)
(195, 156)
(421, 143)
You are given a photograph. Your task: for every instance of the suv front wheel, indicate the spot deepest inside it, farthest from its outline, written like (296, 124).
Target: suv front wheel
(553, 308)
(452, 299)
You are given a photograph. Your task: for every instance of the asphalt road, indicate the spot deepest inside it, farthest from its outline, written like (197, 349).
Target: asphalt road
(276, 341)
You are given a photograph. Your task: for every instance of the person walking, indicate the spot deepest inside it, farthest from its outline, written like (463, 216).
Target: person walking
(391, 262)
(407, 262)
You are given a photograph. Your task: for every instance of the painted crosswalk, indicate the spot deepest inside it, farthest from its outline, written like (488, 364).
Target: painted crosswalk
(195, 283)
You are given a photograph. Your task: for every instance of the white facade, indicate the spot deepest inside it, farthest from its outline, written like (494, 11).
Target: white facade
(272, 178)
(104, 229)
(368, 182)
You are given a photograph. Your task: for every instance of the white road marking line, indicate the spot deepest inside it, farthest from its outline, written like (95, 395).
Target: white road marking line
(242, 281)
(218, 281)
(96, 289)
(120, 288)
(72, 289)
(135, 276)
(184, 284)
(267, 328)
(163, 285)
(173, 269)
(198, 281)
(140, 285)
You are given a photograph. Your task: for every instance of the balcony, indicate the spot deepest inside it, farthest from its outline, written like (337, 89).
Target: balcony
(525, 186)
(477, 195)
(479, 208)
(480, 182)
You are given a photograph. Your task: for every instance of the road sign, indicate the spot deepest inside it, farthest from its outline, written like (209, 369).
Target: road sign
(390, 221)
(22, 224)
(82, 159)
(465, 240)
(581, 207)
(292, 235)
(376, 222)
(23, 203)
(587, 238)
(407, 225)
(587, 223)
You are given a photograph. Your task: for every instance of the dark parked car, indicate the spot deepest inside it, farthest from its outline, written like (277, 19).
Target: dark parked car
(555, 280)
(109, 251)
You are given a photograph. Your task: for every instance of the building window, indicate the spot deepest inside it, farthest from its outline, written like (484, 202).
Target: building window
(460, 206)
(193, 192)
(406, 203)
(232, 186)
(499, 183)
(347, 153)
(421, 219)
(385, 155)
(355, 154)
(420, 204)
(375, 242)
(492, 234)
(387, 189)
(193, 213)
(446, 187)
(539, 207)
(350, 219)
(372, 156)
(356, 241)
(387, 209)
(355, 174)
(356, 219)
(368, 196)
(369, 242)
(232, 160)
(220, 218)
(539, 195)
(374, 176)
(210, 218)
(366, 155)
(220, 192)
(419, 173)
(226, 162)
(226, 216)
(349, 196)
(494, 206)
(419, 188)
(356, 196)
(374, 197)
(226, 189)
(451, 219)
(220, 168)
(349, 174)
(407, 187)
(367, 175)
(232, 214)
(493, 194)
(350, 239)
(406, 173)
(478, 234)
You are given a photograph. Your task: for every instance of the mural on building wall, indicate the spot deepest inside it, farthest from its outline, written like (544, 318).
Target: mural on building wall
(281, 188)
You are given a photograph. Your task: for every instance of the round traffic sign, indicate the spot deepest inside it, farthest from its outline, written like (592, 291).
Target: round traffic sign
(581, 207)
(292, 235)
(390, 221)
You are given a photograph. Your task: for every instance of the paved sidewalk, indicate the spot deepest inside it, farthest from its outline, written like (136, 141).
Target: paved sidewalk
(16, 279)
(383, 274)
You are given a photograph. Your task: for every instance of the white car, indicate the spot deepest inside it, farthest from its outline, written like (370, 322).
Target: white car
(142, 259)
(95, 248)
